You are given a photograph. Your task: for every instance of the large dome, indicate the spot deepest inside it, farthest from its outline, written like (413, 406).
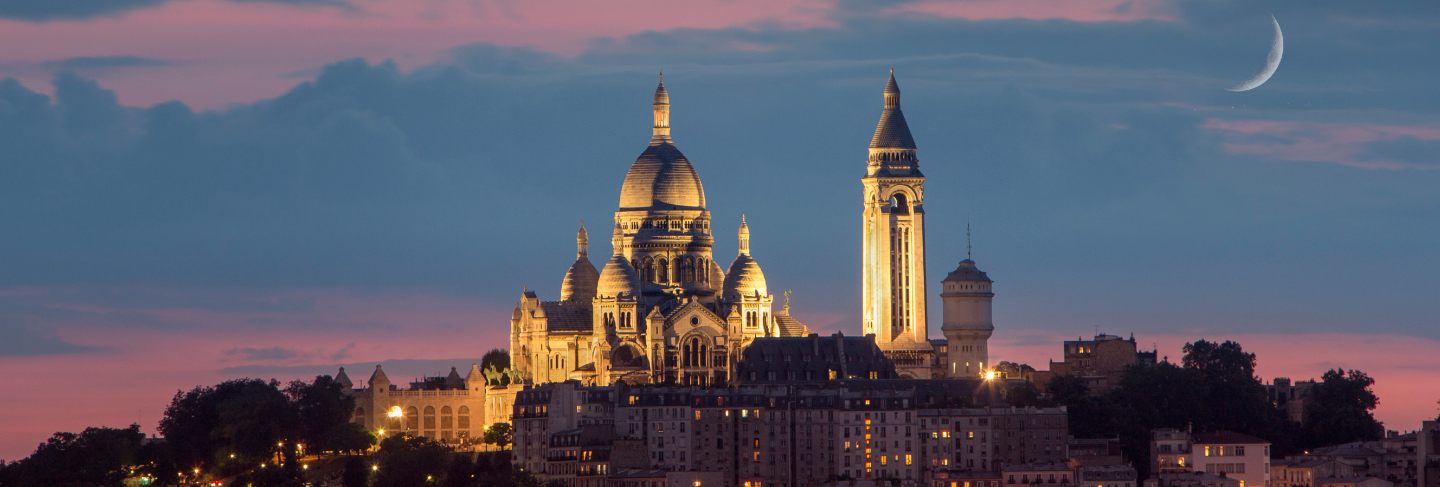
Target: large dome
(662, 178)
(580, 281)
(745, 278)
(617, 278)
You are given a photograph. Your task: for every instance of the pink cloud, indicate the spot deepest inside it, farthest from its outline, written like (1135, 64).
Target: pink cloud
(229, 52)
(135, 369)
(1403, 366)
(1336, 143)
(1090, 11)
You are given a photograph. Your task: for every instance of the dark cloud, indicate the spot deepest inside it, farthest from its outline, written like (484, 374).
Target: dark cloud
(105, 63)
(45, 10)
(28, 341)
(1078, 151)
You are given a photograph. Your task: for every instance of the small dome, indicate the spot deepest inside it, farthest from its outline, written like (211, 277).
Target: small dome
(617, 278)
(661, 178)
(967, 272)
(745, 278)
(717, 276)
(580, 281)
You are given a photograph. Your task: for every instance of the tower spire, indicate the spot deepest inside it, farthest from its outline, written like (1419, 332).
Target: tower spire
(892, 148)
(660, 134)
(968, 246)
(582, 242)
(744, 236)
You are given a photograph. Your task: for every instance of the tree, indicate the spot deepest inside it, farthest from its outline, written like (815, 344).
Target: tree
(95, 457)
(496, 359)
(243, 417)
(356, 473)
(1339, 409)
(407, 461)
(323, 411)
(500, 435)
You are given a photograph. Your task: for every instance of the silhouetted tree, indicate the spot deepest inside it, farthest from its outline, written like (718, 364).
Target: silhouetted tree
(95, 457)
(244, 417)
(323, 411)
(407, 461)
(356, 473)
(1339, 409)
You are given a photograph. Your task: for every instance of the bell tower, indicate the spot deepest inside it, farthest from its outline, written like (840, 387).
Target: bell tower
(894, 242)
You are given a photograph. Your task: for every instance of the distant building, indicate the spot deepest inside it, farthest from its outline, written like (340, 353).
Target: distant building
(1226, 454)
(1040, 474)
(1427, 454)
(1100, 362)
(809, 359)
(915, 432)
(1290, 397)
(1107, 476)
(450, 409)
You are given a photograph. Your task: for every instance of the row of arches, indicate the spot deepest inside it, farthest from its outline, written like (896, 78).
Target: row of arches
(427, 423)
(685, 268)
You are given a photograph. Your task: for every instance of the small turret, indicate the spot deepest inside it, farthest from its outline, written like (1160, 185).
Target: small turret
(379, 381)
(344, 380)
(660, 134)
(453, 380)
(475, 379)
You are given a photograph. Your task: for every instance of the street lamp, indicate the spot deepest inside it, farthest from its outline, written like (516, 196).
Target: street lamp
(395, 412)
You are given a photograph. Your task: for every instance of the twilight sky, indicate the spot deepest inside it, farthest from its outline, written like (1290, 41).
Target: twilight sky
(207, 189)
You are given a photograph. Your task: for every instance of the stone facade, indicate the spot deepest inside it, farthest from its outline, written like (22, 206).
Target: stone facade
(448, 409)
(908, 432)
(661, 310)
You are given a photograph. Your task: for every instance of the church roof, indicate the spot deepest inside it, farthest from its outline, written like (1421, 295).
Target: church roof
(566, 315)
(618, 277)
(892, 132)
(580, 281)
(662, 178)
(343, 379)
(581, 278)
(744, 278)
(967, 272)
(788, 326)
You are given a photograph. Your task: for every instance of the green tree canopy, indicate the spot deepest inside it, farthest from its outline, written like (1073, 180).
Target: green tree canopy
(499, 434)
(95, 457)
(323, 411)
(1340, 408)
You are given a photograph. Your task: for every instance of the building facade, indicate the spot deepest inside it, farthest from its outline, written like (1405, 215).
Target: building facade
(451, 409)
(866, 432)
(661, 309)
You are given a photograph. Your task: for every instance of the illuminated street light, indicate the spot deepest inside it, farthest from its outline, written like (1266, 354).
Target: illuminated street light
(395, 412)
(990, 374)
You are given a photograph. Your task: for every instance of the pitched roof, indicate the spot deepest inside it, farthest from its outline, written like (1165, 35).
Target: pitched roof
(566, 315)
(1228, 437)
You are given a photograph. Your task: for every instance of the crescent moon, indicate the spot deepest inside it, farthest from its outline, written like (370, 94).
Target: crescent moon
(1272, 62)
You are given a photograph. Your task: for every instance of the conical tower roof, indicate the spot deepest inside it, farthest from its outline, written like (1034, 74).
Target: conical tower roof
(379, 377)
(343, 379)
(892, 132)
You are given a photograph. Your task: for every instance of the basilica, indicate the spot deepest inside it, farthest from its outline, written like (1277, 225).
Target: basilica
(661, 309)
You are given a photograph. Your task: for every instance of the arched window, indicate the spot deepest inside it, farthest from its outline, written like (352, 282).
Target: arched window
(360, 416)
(429, 421)
(664, 269)
(412, 419)
(447, 419)
(899, 205)
(463, 418)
